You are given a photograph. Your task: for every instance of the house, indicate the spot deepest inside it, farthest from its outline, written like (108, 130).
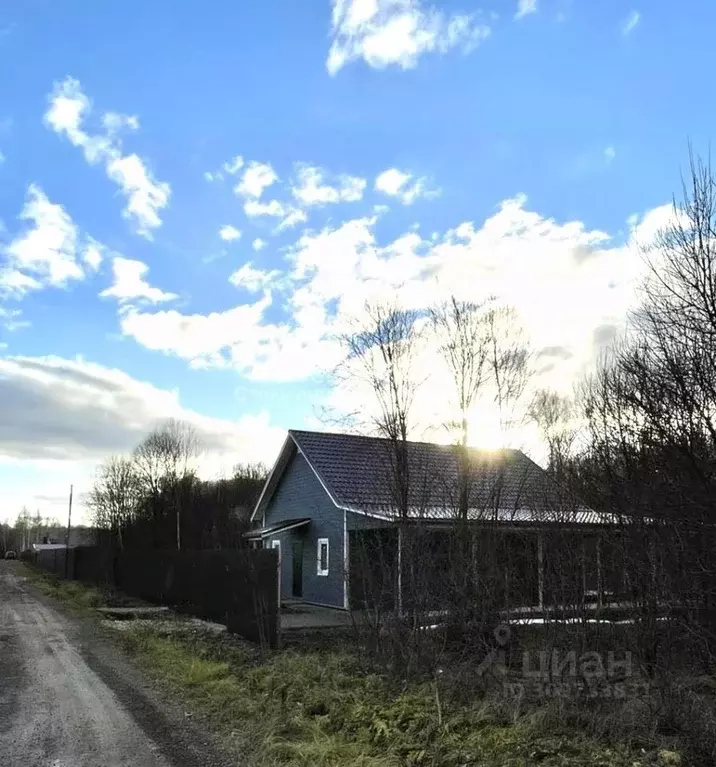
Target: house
(329, 495)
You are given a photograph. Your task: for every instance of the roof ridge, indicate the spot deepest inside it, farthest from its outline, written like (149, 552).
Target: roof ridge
(441, 445)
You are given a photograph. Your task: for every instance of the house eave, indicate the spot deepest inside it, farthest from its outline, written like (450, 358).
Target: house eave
(278, 528)
(519, 517)
(270, 479)
(279, 467)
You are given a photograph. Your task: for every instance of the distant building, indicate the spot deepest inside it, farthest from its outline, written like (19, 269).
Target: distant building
(47, 546)
(79, 536)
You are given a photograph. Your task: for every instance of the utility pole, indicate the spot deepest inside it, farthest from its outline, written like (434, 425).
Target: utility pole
(67, 539)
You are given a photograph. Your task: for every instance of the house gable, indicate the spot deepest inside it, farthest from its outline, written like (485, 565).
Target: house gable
(299, 494)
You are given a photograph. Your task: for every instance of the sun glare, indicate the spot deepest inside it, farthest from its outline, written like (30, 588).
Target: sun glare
(485, 430)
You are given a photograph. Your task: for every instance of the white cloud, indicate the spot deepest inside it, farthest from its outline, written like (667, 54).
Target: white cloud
(229, 233)
(130, 286)
(575, 285)
(2, 158)
(234, 165)
(258, 244)
(255, 208)
(630, 22)
(240, 338)
(609, 154)
(255, 180)
(254, 280)
(48, 252)
(16, 283)
(643, 230)
(290, 216)
(10, 319)
(391, 181)
(396, 183)
(62, 416)
(396, 32)
(293, 217)
(146, 197)
(68, 105)
(201, 339)
(525, 7)
(114, 122)
(93, 254)
(311, 187)
(575, 289)
(352, 188)
(230, 168)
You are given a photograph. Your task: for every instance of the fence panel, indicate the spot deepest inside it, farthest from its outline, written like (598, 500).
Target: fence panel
(93, 564)
(53, 561)
(235, 587)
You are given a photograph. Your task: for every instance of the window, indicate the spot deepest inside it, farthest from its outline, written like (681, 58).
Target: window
(276, 544)
(322, 556)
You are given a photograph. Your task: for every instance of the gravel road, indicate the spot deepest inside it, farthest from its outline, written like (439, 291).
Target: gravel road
(68, 698)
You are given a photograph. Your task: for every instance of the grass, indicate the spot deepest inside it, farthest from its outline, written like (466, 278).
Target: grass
(326, 708)
(80, 599)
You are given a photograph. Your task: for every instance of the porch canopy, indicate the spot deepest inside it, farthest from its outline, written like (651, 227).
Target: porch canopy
(277, 527)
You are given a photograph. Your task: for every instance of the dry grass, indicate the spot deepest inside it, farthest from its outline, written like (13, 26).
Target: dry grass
(313, 708)
(327, 707)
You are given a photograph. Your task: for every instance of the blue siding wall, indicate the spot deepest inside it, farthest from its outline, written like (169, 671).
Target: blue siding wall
(300, 494)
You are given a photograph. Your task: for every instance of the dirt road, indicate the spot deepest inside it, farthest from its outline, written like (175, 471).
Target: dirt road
(69, 699)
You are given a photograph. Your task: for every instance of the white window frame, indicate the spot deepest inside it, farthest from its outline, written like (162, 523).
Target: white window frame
(323, 542)
(276, 544)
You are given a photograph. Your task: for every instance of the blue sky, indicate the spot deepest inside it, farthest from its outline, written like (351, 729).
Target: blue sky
(191, 202)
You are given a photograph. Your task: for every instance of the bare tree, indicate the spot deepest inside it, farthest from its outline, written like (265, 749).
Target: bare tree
(463, 343)
(167, 452)
(651, 412)
(486, 356)
(165, 458)
(381, 351)
(552, 413)
(22, 525)
(115, 496)
(509, 356)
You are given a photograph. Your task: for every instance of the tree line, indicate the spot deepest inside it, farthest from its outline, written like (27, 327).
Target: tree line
(154, 498)
(28, 529)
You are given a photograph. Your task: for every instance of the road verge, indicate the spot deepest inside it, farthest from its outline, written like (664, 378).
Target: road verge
(327, 706)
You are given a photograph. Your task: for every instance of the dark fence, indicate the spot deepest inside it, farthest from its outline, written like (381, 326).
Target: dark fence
(238, 588)
(53, 560)
(93, 564)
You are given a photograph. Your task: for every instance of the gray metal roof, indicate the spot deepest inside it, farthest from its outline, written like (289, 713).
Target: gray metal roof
(505, 485)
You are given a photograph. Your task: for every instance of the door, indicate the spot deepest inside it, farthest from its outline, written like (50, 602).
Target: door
(297, 558)
(276, 544)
